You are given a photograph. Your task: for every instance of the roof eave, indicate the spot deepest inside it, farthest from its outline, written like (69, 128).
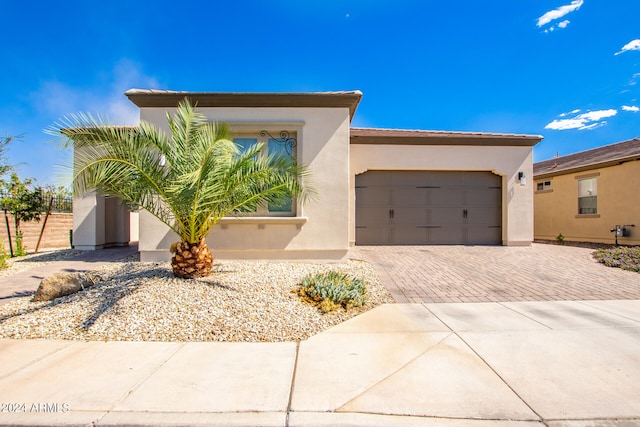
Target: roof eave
(170, 99)
(402, 137)
(584, 168)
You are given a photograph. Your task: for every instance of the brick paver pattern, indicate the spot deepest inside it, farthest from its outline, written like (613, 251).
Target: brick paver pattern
(540, 272)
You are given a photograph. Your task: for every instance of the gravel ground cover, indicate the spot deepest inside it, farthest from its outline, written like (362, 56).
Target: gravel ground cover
(240, 301)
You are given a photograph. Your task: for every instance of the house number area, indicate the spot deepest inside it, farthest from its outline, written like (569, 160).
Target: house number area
(34, 407)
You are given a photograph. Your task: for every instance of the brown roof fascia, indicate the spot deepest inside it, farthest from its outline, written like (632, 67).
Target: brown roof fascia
(158, 98)
(422, 137)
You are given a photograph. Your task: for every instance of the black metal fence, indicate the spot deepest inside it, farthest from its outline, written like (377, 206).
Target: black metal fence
(60, 203)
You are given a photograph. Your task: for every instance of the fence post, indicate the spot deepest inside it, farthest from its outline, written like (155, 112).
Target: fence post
(44, 224)
(6, 219)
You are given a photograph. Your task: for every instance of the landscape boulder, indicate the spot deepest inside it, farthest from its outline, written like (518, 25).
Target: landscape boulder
(62, 284)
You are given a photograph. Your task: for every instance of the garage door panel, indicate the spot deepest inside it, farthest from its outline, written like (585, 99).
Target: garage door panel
(404, 216)
(441, 216)
(409, 197)
(446, 197)
(445, 179)
(428, 207)
(485, 216)
(409, 235)
(373, 216)
(483, 197)
(409, 178)
(446, 235)
(373, 196)
(373, 235)
(484, 235)
(481, 179)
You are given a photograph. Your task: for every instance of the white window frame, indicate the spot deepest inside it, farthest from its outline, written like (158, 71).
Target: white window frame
(582, 181)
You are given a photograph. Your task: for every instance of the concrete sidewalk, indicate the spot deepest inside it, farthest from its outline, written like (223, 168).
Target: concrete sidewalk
(26, 282)
(520, 364)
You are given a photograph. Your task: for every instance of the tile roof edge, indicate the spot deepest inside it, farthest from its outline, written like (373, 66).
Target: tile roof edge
(137, 91)
(446, 132)
(637, 138)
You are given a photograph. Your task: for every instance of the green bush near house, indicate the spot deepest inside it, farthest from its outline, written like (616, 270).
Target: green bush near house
(626, 258)
(332, 290)
(3, 257)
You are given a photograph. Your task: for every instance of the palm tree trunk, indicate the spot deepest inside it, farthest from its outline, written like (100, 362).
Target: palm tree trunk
(192, 260)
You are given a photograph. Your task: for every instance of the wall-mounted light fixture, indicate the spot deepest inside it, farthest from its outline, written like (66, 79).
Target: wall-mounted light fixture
(522, 178)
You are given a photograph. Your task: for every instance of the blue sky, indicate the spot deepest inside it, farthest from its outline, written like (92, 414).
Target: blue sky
(566, 69)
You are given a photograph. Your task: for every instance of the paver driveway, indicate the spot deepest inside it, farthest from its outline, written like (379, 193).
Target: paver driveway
(538, 272)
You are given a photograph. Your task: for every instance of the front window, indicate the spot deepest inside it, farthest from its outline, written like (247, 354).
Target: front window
(543, 186)
(588, 196)
(282, 143)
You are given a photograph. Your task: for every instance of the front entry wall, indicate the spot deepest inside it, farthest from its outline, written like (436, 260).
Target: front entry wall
(319, 229)
(503, 163)
(428, 207)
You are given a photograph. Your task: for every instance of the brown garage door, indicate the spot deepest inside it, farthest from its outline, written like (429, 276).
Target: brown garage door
(428, 208)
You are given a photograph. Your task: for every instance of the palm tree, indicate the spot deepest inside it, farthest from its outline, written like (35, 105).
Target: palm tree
(188, 179)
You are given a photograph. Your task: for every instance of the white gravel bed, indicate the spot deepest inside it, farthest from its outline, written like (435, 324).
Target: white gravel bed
(240, 301)
(33, 260)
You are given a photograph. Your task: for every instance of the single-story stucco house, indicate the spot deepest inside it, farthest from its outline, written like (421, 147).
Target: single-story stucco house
(375, 186)
(585, 195)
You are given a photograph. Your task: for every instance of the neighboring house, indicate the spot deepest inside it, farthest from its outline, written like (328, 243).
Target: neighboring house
(583, 196)
(375, 186)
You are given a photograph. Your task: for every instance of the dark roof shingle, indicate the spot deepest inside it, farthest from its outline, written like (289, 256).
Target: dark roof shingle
(608, 155)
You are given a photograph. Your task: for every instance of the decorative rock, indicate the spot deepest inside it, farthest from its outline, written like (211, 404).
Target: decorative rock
(63, 284)
(240, 301)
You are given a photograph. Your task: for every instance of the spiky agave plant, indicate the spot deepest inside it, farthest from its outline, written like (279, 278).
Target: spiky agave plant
(188, 178)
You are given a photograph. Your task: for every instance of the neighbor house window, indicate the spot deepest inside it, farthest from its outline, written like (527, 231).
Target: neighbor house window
(280, 142)
(543, 186)
(588, 196)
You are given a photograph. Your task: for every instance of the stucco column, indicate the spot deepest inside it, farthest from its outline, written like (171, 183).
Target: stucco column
(88, 221)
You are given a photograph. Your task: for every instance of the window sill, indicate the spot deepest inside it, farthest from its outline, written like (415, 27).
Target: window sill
(588, 216)
(544, 191)
(261, 221)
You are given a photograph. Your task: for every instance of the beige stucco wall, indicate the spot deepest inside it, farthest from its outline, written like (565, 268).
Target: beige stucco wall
(618, 195)
(99, 222)
(320, 228)
(517, 200)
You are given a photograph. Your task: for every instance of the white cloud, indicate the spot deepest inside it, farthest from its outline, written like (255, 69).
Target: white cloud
(576, 111)
(598, 115)
(559, 13)
(106, 99)
(563, 24)
(632, 45)
(631, 108)
(585, 121)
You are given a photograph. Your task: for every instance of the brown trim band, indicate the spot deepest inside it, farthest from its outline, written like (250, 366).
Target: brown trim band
(348, 100)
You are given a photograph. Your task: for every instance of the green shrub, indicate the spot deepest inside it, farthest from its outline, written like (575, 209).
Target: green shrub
(560, 239)
(3, 258)
(20, 249)
(332, 290)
